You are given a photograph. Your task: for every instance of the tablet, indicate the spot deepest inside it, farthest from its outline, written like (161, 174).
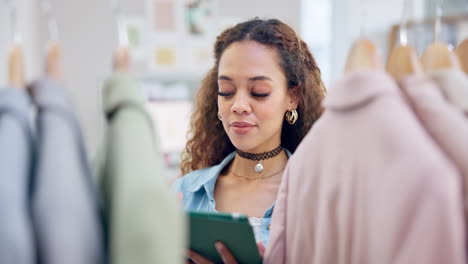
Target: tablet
(233, 230)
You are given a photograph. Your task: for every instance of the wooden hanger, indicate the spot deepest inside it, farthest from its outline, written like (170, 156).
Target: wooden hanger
(53, 61)
(16, 67)
(462, 53)
(439, 56)
(363, 55)
(403, 60)
(121, 60)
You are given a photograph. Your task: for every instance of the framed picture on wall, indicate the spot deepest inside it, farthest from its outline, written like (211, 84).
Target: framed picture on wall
(200, 17)
(182, 34)
(165, 55)
(197, 54)
(165, 18)
(134, 27)
(165, 21)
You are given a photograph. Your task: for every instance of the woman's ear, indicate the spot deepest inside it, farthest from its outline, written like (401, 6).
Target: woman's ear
(293, 94)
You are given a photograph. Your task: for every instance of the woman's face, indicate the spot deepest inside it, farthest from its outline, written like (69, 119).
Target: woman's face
(253, 96)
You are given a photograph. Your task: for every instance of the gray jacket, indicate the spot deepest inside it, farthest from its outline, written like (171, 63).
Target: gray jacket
(16, 148)
(65, 203)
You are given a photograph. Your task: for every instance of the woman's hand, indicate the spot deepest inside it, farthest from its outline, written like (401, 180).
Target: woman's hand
(224, 252)
(194, 257)
(261, 249)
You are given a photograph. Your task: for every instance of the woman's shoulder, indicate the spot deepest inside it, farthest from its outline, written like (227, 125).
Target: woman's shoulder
(193, 180)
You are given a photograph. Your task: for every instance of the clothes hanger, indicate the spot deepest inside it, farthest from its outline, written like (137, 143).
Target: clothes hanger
(462, 53)
(15, 55)
(121, 60)
(121, 57)
(363, 54)
(16, 67)
(438, 55)
(403, 59)
(53, 66)
(53, 61)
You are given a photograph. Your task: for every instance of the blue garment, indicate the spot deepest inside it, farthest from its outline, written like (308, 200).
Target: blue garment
(17, 243)
(65, 202)
(198, 186)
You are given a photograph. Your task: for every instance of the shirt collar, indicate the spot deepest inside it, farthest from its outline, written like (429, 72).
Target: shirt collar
(207, 181)
(358, 89)
(209, 175)
(121, 88)
(49, 93)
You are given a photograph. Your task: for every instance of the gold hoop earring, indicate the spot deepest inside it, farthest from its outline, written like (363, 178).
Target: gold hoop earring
(292, 116)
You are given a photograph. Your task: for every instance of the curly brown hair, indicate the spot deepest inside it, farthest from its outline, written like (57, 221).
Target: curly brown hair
(208, 143)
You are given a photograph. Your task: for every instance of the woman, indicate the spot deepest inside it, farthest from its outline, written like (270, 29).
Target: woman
(253, 109)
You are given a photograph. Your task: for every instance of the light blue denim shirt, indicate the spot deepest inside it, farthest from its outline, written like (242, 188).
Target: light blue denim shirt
(198, 187)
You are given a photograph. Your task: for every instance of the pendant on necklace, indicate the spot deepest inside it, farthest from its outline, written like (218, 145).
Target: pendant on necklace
(259, 167)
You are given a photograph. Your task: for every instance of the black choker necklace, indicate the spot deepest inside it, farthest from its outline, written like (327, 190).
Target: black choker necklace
(260, 157)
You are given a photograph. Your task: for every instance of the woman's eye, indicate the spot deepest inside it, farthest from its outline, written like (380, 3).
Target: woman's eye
(224, 94)
(260, 94)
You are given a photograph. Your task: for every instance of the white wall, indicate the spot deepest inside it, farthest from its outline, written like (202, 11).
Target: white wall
(4, 41)
(25, 20)
(380, 16)
(288, 11)
(315, 30)
(88, 36)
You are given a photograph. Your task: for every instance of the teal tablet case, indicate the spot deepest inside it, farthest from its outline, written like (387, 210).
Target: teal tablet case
(233, 230)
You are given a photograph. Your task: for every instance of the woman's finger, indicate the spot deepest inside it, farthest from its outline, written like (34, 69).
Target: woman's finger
(226, 255)
(197, 258)
(261, 249)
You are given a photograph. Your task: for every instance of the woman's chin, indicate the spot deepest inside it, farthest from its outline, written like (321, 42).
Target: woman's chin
(243, 145)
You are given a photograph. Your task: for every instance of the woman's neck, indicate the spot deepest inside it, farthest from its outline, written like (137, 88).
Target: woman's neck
(272, 167)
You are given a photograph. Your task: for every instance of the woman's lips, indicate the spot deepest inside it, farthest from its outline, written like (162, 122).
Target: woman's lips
(241, 128)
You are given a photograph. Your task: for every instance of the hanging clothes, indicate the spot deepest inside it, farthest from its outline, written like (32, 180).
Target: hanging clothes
(65, 205)
(146, 222)
(444, 122)
(454, 85)
(16, 162)
(368, 185)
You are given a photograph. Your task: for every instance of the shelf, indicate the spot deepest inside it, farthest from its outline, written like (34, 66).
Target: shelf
(173, 75)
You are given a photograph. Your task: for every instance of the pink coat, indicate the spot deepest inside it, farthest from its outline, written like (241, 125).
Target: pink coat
(444, 121)
(453, 84)
(368, 185)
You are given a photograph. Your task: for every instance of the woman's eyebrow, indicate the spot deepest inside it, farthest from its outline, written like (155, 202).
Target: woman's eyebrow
(251, 79)
(225, 78)
(260, 78)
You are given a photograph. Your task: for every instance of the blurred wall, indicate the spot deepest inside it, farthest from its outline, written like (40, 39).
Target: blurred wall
(372, 17)
(88, 41)
(88, 36)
